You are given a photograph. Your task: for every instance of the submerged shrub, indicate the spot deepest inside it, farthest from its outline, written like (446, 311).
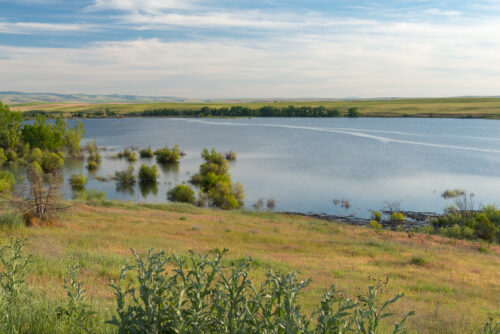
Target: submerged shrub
(125, 177)
(181, 193)
(230, 156)
(77, 182)
(453, 193)
(215, 181)
(146, 153)
(148, 174)
(51, 162)
(94, 158)
(166, 155)
(127, 154)
(271, 204)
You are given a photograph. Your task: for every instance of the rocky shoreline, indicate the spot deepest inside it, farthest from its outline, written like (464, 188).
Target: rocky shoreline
(413, 219)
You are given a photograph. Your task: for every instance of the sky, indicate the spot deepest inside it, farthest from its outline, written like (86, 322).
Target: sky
(251, 48)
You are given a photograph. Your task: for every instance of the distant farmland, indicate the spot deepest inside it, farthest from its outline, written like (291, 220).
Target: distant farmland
(435, 107)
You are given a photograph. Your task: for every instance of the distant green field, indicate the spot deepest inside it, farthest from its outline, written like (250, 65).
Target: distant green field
(435, 107)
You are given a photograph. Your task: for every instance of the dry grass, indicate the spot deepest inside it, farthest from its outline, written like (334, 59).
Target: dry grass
(453, 287)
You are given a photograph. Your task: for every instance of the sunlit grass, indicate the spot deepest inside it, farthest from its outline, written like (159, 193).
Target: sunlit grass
(450, 284)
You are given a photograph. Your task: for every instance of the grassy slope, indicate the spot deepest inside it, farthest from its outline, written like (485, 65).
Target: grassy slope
(442, 107)
(454, 291)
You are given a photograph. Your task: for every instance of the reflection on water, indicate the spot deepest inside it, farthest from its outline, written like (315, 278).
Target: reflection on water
(304, 164)
(148, 189)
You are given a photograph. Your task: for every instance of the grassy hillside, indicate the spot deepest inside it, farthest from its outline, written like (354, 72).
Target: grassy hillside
(452, 285)
(443, 107)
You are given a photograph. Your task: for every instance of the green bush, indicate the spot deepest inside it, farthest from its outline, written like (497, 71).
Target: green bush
(181, 193)
(426, 229)
(94, 158)
(148, 174)
(125, 177)
(95, 195)
(201, 295)
(26, 309)
(3, 157)
(11, 219)
(7, 181)
(453, 193)
(146, 153)
(10, 128)
(72, 138)
(376, 215)
(36, 155)
(397, 217)
(215, 181)
(11, 156)
(51, 162)
(77, 182)
(127, 154)
(418, 260)
(230, 156)
(353, 112)
(375, 225)
(166, 155)
(484, 228)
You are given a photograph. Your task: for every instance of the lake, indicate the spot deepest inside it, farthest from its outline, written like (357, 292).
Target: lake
(304, 164)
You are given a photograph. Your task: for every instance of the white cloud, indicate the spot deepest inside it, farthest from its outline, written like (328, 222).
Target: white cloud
(147, 6)
(296, 56)
(36, 27)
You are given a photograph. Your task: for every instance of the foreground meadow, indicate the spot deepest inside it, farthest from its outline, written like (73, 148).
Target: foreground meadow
(452, 285)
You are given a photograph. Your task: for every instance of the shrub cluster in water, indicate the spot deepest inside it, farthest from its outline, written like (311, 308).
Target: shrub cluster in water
(148, 174)
(166, 155)
(127, 154)
(215, 181)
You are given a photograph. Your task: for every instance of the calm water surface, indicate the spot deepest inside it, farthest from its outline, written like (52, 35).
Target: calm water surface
(306, 163)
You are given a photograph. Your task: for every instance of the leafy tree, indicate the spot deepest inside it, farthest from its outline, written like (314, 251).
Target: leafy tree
(353, 112)
(10, 128)
(45, 135)
(6, 181)
(72, 138)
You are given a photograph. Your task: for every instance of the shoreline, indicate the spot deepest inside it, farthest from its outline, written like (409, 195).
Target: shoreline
(413, 219)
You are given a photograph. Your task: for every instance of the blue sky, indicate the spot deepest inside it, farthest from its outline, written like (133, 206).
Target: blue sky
(262, 48)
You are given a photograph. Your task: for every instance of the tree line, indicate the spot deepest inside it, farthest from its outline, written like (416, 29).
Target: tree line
(233, 111)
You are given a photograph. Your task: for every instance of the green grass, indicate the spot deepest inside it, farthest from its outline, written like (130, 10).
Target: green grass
(425, 107)
(452, 286)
